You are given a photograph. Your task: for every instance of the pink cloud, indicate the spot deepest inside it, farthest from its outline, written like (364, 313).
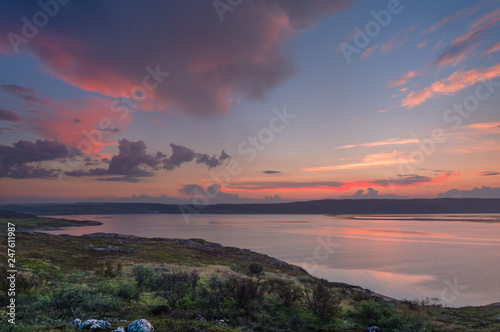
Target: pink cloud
(87, 124)
(457, 81)
(371, 160)
(391, 141)
(493, 48)
(211, 63)
(403, 80)
(396, 41)
(368, 52)
(485, 125)
(463, 45)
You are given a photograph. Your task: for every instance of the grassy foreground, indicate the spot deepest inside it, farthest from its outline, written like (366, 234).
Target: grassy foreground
(194, 285)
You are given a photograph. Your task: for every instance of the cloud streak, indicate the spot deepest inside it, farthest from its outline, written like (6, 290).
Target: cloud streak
(371, 160)
(457, 81)
(449, 19)
(404, 79)
(9, 116)
(403, 181)
(390, 141)
(461, 46)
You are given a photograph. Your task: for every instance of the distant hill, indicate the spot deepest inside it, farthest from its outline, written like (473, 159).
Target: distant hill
(15, 215)
(327, 206)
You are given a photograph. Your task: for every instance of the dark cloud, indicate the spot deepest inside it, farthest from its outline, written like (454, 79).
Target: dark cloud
(483, 192)
(14, 159)
(90, 172)
(182, 154)
(214, 195)
(403, 180)
(77, 120)
(133, 160)
(9, 116)
(111, 130)
(120, 179)
(26, 172)
(28, 95)
(490, 174)
(209, 61)
(194, 189)
(400, 181)
(271, 172)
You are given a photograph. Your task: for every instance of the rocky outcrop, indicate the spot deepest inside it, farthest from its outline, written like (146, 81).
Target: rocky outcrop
(140, 325)
(373, 329)
(94, 324)
(76, 322)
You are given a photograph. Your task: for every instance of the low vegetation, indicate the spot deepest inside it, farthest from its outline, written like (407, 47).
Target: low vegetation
(194, 285)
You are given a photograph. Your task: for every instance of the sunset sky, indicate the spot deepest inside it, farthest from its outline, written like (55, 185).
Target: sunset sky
(233, 101)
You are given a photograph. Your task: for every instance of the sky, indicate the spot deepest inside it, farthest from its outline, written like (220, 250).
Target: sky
(234, 101)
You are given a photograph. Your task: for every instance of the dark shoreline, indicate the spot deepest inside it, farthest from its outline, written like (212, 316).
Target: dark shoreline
(324, 207)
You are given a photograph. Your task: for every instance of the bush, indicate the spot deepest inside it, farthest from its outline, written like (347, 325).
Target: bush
(70, 301)
(176, 285)
(127, 292)
(323, 301)
(371, 313)
(107, 270)
(245, 292)
(143, 275)
(213, 296)
(385, 316)
(255, 269)
(285, 291)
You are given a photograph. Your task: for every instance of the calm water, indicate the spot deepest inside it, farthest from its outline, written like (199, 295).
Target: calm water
(435, 256)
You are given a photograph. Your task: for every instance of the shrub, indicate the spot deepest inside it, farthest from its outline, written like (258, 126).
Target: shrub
(127, 292)
(385, 316)
(176, 285)
(108, 270)
(285, 291)
(255, 269)
(213, 296)
(245, 292)
(73, 300)
(143, 275)
(323, 301)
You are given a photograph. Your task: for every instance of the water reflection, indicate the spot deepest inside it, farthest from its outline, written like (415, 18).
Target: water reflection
(399, 256)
